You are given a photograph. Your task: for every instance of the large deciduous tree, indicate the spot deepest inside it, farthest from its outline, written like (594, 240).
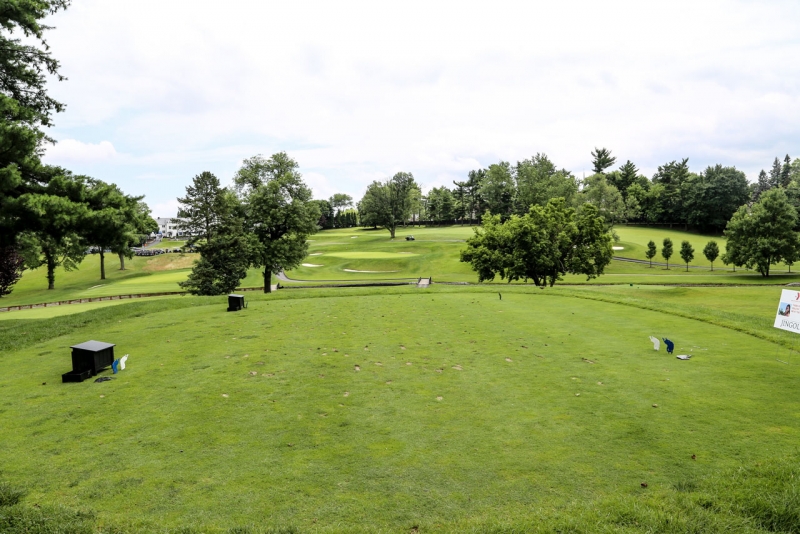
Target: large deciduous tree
(537, 181)
(279, 210)
(672, 177)
(711, 198)
(497, 189)
(605, 197)
(388, 203)
(763, 235)
(542, 245)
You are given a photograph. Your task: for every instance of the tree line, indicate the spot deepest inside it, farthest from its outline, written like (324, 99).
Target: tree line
(674, 194)
(48, 215)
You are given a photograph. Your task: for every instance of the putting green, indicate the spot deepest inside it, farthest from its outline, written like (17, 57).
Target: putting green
(370, 255)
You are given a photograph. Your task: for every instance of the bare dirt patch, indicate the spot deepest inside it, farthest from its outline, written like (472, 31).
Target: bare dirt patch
(169, 262)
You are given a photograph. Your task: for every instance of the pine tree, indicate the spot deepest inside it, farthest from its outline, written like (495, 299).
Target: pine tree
(602, 159)
(775, 174)
(762, 186)
(786, 171)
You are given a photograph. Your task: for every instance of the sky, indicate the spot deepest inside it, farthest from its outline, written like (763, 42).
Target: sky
(160, 91)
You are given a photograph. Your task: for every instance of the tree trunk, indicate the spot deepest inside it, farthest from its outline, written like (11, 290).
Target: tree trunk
(51, 271)
(267, 281)
(102, 265)
(391, 231)
(121, 261)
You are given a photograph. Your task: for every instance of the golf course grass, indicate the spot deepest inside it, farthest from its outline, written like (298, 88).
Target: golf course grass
(367, 255)
(446, 409)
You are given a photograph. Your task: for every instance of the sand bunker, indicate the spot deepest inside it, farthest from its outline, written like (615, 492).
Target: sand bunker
(357, 271)
(369, 255)
(316, 254)
(617, 248)
(312, 265)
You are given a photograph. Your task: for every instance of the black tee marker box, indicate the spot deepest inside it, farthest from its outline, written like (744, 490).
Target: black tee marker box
(88, 359)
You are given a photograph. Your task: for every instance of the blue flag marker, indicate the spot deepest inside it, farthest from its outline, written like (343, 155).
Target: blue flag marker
(114, 366)
(670, 345)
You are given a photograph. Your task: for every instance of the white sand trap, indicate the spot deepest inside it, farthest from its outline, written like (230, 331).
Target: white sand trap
(316, 254)
(405, 253)
(312, 265)
(353, 237)
(356, 271)
(617, 248)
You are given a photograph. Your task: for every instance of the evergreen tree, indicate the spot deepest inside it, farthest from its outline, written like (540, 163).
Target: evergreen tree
(761, 186)
(775, 174)
(786, 171)
(624, 178)
(224, 259)
(11, 266)
(54, 237)
(25, 111)
(602, 159)
(203, 207)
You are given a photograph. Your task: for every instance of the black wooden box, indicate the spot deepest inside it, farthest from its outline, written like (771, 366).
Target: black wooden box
(236, 302)
(88, 359)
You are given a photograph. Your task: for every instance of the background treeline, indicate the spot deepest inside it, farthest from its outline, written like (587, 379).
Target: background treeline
(337, 212)
(49, 216)
(673, 195)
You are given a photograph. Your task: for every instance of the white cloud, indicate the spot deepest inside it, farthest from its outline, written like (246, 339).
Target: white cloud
(165, 209)
(359, 90)
(70, 151)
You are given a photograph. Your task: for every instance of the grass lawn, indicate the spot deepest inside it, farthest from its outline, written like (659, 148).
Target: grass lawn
(142, 274)
(401, 409)
(357, 254)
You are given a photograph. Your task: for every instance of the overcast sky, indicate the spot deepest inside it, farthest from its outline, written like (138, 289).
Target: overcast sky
(162, 90)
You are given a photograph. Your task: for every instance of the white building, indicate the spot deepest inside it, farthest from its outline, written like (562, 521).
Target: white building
(169, 227)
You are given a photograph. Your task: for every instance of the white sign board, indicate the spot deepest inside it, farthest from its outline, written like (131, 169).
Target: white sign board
(788, 317)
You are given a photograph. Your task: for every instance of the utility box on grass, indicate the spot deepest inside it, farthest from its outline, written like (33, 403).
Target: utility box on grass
(88, 359)
(236, 302)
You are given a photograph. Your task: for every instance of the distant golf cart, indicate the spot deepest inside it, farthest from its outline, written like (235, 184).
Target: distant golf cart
(409, 238)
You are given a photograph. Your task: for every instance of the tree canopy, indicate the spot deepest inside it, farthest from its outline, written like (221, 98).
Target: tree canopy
(763, 235)
(279, 213)
(543, 245)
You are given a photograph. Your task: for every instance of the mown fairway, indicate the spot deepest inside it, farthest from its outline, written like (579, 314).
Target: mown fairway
(468, 411)
(357, 254)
